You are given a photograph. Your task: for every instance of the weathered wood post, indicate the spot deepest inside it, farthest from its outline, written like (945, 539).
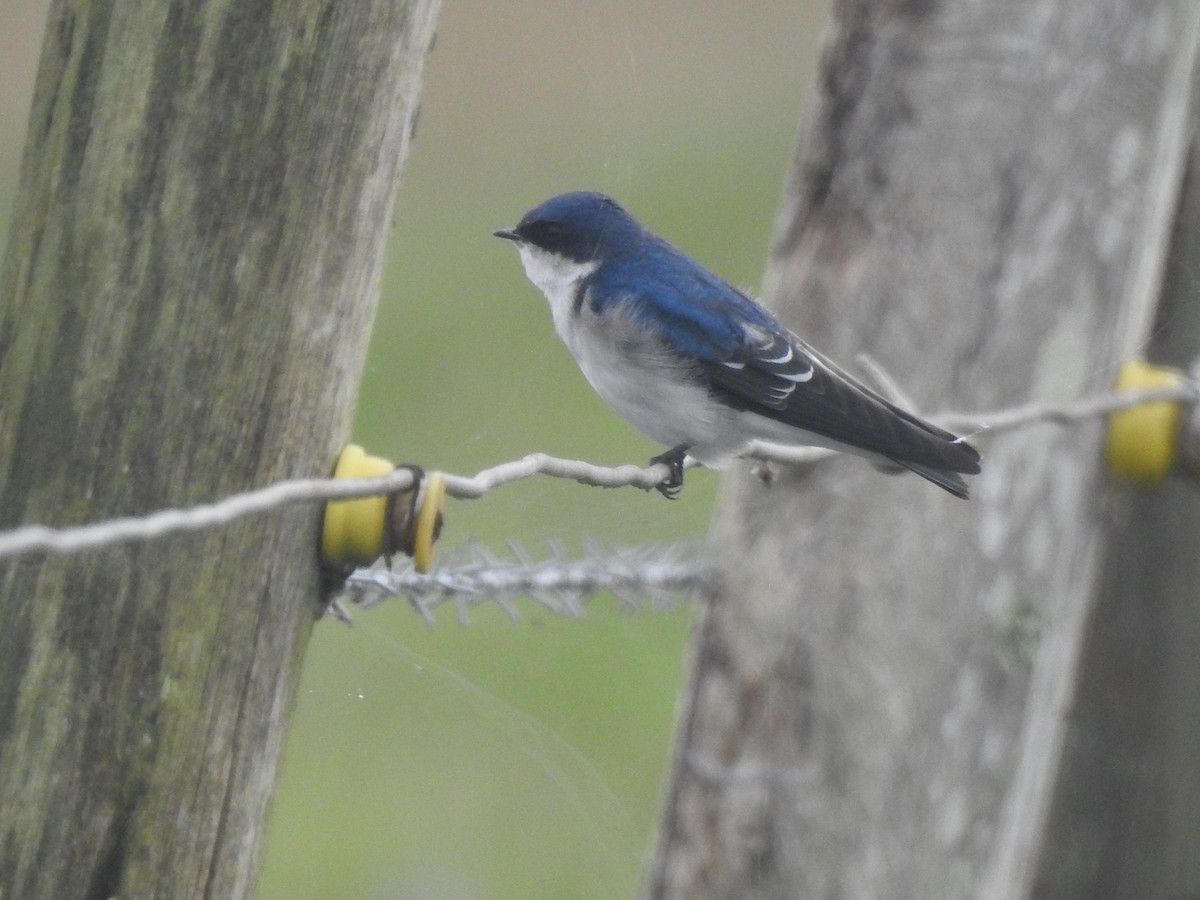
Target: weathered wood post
(184, 305)
(897, 694)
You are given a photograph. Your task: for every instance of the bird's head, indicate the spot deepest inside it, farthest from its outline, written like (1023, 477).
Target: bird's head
(580, 227)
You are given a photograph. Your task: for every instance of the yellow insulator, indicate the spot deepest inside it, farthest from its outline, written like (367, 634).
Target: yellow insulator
(1143, 439)
(429, 522)
(357, 532)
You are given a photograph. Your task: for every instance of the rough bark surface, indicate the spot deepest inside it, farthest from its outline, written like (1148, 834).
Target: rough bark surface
(185, 300)
(898, 694)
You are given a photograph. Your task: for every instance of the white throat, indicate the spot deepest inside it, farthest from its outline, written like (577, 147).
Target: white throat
(557, 277)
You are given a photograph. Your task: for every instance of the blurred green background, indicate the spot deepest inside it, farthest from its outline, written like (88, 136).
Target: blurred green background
(501, 760)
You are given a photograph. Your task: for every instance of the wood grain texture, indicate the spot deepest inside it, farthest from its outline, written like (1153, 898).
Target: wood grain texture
(184, 307)
(897, 694)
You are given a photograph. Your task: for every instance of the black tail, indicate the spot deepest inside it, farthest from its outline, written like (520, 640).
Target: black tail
(948, 479)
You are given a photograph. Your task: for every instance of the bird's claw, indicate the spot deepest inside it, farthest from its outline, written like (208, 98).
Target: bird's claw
(670, 486)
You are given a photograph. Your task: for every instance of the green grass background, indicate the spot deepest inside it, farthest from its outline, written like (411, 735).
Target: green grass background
(526, 760)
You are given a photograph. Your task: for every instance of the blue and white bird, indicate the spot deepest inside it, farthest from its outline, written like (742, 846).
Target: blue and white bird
(695, 364)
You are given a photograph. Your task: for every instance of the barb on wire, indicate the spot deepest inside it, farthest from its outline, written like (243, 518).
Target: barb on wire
(659, 574)
(45, 539)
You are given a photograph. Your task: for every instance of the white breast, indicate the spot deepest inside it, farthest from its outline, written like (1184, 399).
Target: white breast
(627, 366)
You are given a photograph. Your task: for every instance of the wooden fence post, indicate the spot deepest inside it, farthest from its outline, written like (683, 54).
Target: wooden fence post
(897, 694)
(184, 306)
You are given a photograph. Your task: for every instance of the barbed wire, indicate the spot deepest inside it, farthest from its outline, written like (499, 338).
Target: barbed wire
(73, 539)
(660, 575)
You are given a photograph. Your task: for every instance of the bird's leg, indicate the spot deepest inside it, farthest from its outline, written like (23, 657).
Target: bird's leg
(670, 486)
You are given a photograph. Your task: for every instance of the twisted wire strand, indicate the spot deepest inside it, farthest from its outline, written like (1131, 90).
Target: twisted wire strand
(660, 575)
(73, 539)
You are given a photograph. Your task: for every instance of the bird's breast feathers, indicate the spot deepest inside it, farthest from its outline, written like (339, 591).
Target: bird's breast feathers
(657, 391)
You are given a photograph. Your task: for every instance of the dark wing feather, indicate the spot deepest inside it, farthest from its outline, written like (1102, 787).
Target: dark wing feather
(831, 403)
(753, 363)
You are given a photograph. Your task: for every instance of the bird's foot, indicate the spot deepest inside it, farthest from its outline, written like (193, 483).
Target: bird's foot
(670, 486)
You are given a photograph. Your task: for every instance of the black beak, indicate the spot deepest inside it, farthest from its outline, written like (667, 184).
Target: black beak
(508, 234)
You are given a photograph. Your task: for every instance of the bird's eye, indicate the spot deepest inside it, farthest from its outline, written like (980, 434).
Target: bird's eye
(545, 233)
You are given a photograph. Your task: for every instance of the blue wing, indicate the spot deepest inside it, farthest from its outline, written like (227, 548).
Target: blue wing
(704, 318)
(753, 363)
